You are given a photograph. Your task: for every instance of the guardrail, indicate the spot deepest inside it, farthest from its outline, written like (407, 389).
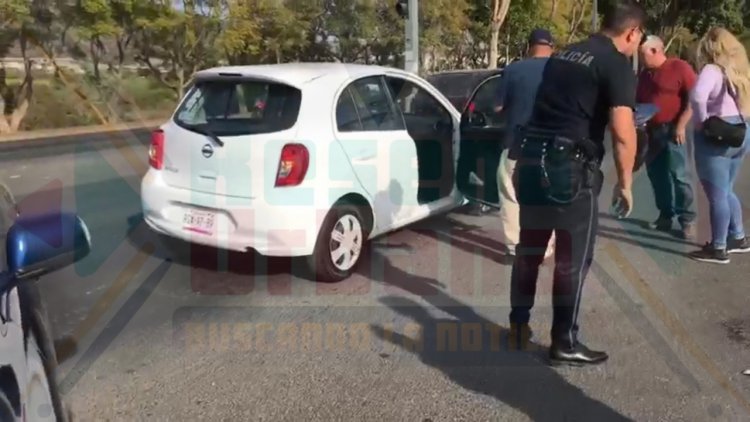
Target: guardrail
(54, 137)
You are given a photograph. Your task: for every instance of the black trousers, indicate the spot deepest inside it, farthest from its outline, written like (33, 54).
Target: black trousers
(575, 226)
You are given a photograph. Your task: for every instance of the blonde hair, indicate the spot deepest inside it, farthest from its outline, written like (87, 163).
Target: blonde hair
(720, 47)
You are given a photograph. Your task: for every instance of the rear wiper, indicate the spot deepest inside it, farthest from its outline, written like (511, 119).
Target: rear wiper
(206, 132)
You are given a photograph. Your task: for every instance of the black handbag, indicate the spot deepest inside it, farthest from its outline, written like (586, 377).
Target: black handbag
(722, 133)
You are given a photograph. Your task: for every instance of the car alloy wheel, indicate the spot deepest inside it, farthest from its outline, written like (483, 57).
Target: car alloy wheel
(346, 242)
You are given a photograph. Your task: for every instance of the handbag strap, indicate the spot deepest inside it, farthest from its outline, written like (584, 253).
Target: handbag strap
(732, 94)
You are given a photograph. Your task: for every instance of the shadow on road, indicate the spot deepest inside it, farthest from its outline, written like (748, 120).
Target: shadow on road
(485, 364)
(203, 258)
(634, 231)
(465, 237)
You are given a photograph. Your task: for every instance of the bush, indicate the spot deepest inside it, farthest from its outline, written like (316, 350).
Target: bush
(56, 104)
(52, 106)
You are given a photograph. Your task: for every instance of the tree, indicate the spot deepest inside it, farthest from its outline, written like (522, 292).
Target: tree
(182, 39)
(444, 25)
(268, 31)
(29, 24)
(350, 28)
(702, 15)
(524, 17)
(499, 12)
(387, 40)
(94, 21)
(575, 18)
(124, 14)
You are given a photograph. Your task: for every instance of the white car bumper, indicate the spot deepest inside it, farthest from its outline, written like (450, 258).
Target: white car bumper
(240, 224)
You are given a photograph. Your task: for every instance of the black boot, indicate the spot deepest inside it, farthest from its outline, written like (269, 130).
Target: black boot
(519, 337)
(574, 354)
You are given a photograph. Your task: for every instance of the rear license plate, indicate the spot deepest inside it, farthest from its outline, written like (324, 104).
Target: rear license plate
(199, 221)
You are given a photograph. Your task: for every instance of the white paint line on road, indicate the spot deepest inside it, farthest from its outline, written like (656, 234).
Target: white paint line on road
(15, 176)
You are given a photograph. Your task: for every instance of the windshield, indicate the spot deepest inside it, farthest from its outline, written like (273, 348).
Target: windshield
(239, 107)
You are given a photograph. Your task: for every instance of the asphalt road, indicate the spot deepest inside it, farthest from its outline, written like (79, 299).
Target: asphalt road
(154, 330)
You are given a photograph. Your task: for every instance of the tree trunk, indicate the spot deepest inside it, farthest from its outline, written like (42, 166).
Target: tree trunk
(671, 40)
(494, 38)
(95, 59)
(553, 10)
(575, 19)
(122, 45)
(180, 72)
(14, 113)
(16, 118)
(10, 123)
(499, 12)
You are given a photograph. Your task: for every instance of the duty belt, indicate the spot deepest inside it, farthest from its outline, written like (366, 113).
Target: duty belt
(561, 149)
(578, 150)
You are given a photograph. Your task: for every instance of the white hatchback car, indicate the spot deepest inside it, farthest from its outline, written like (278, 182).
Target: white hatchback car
(302, 159)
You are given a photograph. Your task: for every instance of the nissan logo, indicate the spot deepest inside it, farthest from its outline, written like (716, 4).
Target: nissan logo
(207, 150)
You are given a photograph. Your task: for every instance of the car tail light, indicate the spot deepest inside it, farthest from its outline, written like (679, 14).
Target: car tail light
(293, 165)
(156, 150)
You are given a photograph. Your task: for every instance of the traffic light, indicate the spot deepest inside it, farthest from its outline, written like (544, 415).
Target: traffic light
(402, 8)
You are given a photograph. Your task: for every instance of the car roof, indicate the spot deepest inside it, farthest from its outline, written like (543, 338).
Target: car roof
(472, 72)
(298, 74)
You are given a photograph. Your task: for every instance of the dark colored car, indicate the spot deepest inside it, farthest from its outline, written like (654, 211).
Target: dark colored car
(474, 93)
(459, 85)
(32, 246)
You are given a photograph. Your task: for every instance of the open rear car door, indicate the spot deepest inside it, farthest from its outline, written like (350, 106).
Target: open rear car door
(482, 133)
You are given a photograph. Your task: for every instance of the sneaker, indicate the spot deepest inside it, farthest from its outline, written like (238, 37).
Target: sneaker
(738, 245)
(710, 254)
(661, 224)
(689, 231)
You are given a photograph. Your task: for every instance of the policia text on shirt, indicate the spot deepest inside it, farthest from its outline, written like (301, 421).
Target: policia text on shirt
(558, 178)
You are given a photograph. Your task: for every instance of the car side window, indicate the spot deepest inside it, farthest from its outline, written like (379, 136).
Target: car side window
(415, 101)
(486, 100)
(486, 97)
(374, 106)
(347, 119)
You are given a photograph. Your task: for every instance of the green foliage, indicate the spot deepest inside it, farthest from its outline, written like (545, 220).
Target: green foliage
(526, 18)
(707, 13)
(171, 43)
(129, 99)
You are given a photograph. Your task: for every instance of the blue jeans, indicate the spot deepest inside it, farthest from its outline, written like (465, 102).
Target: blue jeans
(667, 169)
(717, 170)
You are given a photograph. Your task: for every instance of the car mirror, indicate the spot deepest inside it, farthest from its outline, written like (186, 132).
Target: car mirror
(41, 244)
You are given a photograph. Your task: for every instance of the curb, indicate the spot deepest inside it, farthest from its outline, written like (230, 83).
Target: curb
(83, 134)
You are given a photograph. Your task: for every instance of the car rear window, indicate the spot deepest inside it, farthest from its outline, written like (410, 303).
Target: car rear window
(231, 107)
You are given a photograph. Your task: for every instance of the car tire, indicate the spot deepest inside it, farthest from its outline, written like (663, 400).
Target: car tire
(346, 220)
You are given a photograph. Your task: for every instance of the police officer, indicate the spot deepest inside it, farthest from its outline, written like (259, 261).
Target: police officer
(585, 87)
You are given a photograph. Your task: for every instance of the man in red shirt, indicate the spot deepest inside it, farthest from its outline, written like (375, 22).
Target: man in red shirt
(666, 82)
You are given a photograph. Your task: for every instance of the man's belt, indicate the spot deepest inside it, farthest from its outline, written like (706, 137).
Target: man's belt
(650, 127)
(575, 149)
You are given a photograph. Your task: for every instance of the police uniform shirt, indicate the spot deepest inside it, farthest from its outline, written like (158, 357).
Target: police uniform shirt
(580, 85)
